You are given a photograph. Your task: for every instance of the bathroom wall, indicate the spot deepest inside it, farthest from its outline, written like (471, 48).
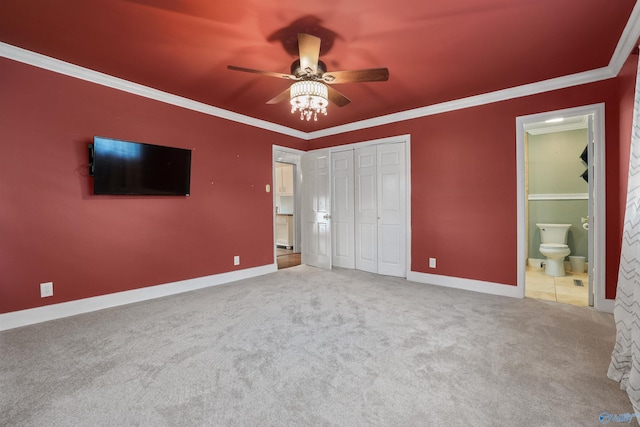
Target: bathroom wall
(557, 192)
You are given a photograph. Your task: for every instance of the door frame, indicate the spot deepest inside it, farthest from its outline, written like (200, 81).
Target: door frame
(597, 199)
(292, 156)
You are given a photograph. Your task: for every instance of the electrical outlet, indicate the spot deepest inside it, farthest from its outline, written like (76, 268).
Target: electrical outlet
(46, 289)
(432, 263)
(236, 260)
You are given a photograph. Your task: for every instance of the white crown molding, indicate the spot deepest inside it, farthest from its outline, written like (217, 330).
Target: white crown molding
(72, 70)
(626, 43)
(472, 101)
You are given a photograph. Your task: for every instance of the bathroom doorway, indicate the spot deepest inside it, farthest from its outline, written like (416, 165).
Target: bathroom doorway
(557, 193)
(560, 171)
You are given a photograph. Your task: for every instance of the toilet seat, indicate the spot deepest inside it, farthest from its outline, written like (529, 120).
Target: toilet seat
(553, 246)
(555, 253)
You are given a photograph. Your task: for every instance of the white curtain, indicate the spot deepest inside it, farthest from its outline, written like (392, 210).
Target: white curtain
(625, 359)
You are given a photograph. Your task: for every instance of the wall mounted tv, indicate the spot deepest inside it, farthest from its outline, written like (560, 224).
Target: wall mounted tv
(133, 168)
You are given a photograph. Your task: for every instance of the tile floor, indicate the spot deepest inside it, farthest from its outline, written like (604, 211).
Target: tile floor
(560, 289)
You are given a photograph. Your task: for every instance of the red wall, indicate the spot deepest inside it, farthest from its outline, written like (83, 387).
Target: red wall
(618, 186)
(52, 228)
(463, 179)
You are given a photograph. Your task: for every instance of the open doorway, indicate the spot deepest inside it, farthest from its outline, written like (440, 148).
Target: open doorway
(285, 215)
(286, 202)
(590, 162)
(557, 209)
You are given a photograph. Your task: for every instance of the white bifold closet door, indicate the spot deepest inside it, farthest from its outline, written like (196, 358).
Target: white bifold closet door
(342, 202)
(380, 209)
(316, 209)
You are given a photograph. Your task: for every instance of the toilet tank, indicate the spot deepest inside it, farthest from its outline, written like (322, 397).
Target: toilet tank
(554, 233)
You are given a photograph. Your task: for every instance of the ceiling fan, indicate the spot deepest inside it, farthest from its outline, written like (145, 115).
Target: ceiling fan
(310, 93)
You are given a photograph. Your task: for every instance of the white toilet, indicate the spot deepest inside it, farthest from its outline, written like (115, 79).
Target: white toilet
(554, 246)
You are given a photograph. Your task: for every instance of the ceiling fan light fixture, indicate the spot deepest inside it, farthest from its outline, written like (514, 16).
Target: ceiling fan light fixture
(310, 98)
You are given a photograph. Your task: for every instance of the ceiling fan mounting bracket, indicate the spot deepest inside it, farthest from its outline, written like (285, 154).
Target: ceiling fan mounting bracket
(307, 74)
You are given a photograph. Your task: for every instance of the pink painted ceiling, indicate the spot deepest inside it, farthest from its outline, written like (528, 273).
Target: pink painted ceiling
(435, 50)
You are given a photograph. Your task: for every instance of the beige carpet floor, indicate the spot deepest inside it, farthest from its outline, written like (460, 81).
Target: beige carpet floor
(307, 347)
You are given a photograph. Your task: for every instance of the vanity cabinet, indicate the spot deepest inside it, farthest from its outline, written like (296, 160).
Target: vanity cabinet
(284, 231)
(284, 180)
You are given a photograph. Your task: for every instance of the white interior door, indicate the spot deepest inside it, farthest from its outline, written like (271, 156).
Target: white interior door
(392, 190)
(366, 209)
(342, 218)
(316, 209)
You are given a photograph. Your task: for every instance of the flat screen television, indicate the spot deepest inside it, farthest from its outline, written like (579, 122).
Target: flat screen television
(133, 168)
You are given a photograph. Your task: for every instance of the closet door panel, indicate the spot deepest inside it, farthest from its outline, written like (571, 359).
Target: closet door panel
(366, 217)
(316, 209)
(391, 194)
(343, 216)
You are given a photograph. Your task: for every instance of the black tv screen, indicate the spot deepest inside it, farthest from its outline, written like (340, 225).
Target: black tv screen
(124, 167)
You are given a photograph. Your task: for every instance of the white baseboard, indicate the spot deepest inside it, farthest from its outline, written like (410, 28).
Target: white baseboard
(467, 284)
(605, 305)
(534, 262)
(56, 311)
(538, 263)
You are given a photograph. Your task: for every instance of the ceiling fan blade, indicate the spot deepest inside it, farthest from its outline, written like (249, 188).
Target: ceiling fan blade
(279, 97)
(264, 73)
(337, 98)
(355, 76)
(309, 48)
